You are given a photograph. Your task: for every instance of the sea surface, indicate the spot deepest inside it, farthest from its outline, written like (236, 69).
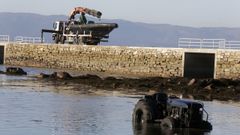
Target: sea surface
(29, 106)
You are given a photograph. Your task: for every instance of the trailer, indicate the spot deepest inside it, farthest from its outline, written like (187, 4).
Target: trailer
(81, 33)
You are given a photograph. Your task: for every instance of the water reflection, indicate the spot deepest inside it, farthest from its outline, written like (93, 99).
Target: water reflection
(155, 129)
(29, 106)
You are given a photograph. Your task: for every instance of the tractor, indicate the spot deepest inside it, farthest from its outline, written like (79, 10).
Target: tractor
(171, 112)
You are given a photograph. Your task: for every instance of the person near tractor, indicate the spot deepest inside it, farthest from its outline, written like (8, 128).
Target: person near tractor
(82, 18)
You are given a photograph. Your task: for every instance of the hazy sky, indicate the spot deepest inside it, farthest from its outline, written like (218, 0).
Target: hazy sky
(178, 12)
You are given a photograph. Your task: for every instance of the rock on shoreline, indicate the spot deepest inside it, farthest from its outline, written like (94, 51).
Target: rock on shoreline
(200, 89)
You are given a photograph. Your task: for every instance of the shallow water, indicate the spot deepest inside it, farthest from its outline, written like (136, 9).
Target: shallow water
(29, 106)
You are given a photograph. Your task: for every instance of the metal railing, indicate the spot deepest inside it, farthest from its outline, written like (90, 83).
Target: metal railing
(20, 39)
(208, 43)
(232, 44)
(4, 38)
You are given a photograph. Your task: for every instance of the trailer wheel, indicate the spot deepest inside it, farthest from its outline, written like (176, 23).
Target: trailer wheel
(143, 112)
(62, 39)
(56, 39)
(91, 43)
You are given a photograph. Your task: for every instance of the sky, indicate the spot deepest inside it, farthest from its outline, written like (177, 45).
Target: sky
(196, 13)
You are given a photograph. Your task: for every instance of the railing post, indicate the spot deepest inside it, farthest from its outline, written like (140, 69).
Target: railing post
(213, 44)
(21, 39)
(190, 42)
(4, 38)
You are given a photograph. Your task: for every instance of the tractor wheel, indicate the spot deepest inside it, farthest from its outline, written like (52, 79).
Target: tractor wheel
(168, 122)
(92, 43)
(205, 125)
(143, 112)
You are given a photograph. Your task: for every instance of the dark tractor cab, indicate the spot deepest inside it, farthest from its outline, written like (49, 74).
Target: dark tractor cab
(171, 112)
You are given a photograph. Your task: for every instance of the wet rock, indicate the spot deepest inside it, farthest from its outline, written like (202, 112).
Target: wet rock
(205, 97)
(192, 82)
(61, 75)
(42, 75)
(189, 96)
(237, 88)
(222, 82)
(175, 97)
(15, 71)
(203, 83)
(89, 76)
(151, 91)
(110, 78)
(203, 89)
(209, 87)
(230, 87)
(2, 72)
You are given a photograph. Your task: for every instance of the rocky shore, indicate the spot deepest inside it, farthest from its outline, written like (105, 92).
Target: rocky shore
(200, 89)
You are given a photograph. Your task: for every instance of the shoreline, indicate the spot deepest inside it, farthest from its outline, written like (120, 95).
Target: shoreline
(191, 88)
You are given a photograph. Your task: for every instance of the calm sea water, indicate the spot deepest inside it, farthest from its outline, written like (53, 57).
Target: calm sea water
(32, 107)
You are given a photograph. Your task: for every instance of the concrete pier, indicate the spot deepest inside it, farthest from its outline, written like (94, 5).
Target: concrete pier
(137, 61)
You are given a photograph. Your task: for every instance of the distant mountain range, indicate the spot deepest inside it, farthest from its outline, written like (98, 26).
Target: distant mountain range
(128, 33)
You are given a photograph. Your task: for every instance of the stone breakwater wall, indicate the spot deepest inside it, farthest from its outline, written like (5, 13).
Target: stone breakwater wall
(227, 64)
(109, 59)
(136, 61)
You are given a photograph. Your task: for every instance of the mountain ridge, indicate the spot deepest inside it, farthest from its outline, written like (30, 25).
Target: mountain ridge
(128, 34)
